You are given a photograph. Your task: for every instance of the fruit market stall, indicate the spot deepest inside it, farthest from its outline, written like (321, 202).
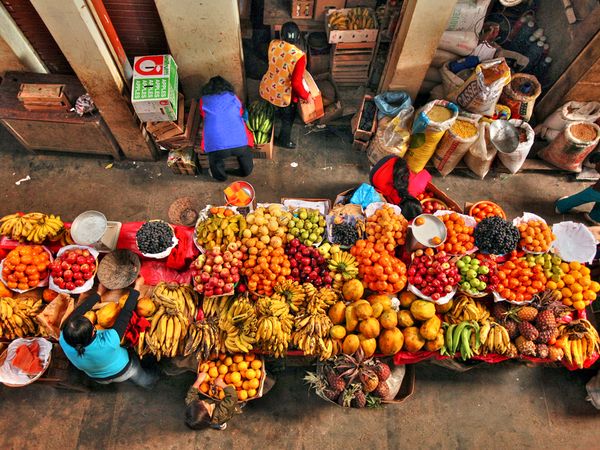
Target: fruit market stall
(362, 290)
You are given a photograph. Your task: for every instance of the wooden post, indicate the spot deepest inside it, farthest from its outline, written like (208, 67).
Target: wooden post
(422, 26)
(205, 40)
(74, 29)
(16, 52)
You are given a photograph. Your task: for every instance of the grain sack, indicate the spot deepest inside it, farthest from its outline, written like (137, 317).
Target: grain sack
(430, 124)
(480, 93)
(514, 161)
(481, 155)
(468, 16)
(460, 42)
(520, 94)
(572, 146)
(450, 80)
(569, 112)
(454, 144)
(378, 149)
(441, 57)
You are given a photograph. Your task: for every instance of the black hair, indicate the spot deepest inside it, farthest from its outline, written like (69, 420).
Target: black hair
(216, 85)
(78, 333)
(197, 416)
(290, 33)
(411, 207)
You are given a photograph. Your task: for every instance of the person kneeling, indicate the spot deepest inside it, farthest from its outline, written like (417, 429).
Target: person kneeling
(209, 413)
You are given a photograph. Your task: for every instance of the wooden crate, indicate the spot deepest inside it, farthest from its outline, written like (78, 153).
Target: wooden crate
(350, 36)
(302, 9)
(351, 63)
(365, 135)
(43, 97)
(359, 145)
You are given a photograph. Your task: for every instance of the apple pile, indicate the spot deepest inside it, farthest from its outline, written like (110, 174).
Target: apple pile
(307, 264)
(73, 268)
(477, 276)
(217, 272)
(433, 273)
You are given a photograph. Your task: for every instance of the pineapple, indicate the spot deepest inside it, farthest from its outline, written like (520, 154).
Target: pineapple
(555, 353)
(382, 371)
(512, 351)
(335, 382)
(528, 331)
(525, 347)
(527, 313)
(542, 351)
(373, 401)
(545, 320)
(512, 327)
(331, 394)
(369, 380)
(382, 391)
(500, 310)
(359, 400)
(547, 335)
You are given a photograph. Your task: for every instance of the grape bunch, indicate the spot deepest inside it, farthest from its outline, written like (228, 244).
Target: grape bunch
(495, 236)
(344, 234)
(154, 237)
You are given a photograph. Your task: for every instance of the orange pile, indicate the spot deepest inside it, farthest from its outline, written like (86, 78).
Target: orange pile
(387, 227)
(221, 211)
(486, 209)
(264, 266)
(25, 266)
(536, 236)
(576, 288)
(379, 270)
(459, 239)
(242, 371)
(518, 281)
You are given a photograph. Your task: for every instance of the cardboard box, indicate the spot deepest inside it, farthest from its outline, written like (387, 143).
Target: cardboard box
(155, 88)
(309, 112)
(322, 6)
(265, 151)
(336, 36)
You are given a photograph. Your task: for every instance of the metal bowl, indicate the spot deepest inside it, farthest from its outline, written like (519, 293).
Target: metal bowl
(504, 136)
(88, 228)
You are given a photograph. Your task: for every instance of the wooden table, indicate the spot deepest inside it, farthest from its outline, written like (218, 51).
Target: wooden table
(62, 131)
(278, 12)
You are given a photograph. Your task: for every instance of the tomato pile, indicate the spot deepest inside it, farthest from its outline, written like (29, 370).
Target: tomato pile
(73, 268)
(536, 236)
(459, 239)
(518, 282)
(25, 266)
(379, 270)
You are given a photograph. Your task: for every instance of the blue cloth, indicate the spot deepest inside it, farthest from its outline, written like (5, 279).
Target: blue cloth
(224, 126)
(103, 358)
(365, 195)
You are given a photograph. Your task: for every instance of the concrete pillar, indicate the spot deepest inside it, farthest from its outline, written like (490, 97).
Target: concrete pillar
(16, 52)
(423, 23)
(205, 40)
(72, 25)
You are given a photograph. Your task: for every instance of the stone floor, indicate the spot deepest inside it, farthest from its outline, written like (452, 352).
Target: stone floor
(509, 405)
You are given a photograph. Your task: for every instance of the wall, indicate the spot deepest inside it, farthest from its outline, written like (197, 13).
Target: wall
(204, 38)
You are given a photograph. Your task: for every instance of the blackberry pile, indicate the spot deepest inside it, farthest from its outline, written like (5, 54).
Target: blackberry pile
(344, 234)
(154, 237)
(496, 236)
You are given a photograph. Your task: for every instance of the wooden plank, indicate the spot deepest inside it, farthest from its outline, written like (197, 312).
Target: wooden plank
(29, 91)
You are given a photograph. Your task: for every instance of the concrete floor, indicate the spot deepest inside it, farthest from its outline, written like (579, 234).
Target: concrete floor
(509, 405)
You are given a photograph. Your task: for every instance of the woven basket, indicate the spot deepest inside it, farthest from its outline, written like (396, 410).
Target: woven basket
(184, 211)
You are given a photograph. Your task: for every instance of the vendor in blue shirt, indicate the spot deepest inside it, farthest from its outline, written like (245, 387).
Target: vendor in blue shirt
(98, 353)
(224, 132)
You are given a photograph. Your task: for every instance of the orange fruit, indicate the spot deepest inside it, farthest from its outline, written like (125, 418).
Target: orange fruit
(579, 306)
(566, 292)
(213, 372)
(245, 385)
(251, 393)
(222, 356)
(250, 357)
(568, 279)
(228, 361)
(204, 387)
(222, 369)
(575, 265)
(595, 286)
(221, 395)
(254, 383)
(238, 384)
(236, 377)
(250, 373)
(242, 365)
(242, 395)
(256, 364)
(233, 367)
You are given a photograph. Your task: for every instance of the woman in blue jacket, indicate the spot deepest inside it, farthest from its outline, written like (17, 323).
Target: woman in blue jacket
(224, 133)
(98, 353)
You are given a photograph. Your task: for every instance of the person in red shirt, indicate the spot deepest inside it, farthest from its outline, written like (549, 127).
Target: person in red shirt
(392, 178)
(282, 85)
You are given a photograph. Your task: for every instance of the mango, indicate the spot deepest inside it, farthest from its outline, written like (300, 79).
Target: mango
(368, 345)
(351, 344)
(353, 290)
(377, 309)
(443, 309)
(436, 344)
(406, 298)
(388, 319)
(337, 313)
(351, 320)
(369, 328)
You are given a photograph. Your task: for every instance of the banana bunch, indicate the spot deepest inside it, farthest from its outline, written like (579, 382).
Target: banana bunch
(345, 264)
(33, 227)
(179, 297)
(202, 339)
(17, 317)
(311, 329)
(494, 339)
(465, 308)
(167, 332)
(238, 325)
(260, 121)
(338, 21)
(579, 341)
(213, 306)
(217, 231)
(463, 337)
(275, 324)
(291, 292)
(355, 19)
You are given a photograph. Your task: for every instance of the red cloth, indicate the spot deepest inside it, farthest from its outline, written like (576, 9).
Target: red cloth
(298, 90)
(183, 254)
(136, 325)
(383, 181)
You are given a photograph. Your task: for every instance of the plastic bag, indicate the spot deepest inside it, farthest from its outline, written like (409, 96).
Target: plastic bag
(51, 318)
(480, 93)
(570, 148)
(365, 195)
(520, 104)
(452, 148)
(391, 103)
(514, 161)
(377, 148)
(569, 112)
(481, 155)
(397, 133)
(14, 376)
(427, 132)
(593, 390)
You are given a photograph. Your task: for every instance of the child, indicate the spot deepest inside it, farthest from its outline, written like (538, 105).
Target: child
(208, 413)
(589, 195)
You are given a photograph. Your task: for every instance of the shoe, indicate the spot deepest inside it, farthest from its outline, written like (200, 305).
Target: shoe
(556, 210)
(589, 219)
(288, 144)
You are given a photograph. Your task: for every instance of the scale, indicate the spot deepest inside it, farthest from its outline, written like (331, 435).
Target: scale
(91, 228)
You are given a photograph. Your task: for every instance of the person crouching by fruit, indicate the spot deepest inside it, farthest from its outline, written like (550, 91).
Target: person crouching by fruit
(588, 195)
(392, 178)
(225, 133)
(209, 413)
(283, 84)
(98, 353)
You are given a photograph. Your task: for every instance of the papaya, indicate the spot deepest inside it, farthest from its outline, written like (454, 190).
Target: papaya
(382, 299)
(353, 290)
(145, 307)
(377, 309)
(368, 345)
(337, 332)
(406, 298)
(369, 328)
(391, 341)
(430, 328)
(413, 342)
(388, 319)
(91, 316)
(351, 320)
(107, 315)
(436, 344)
(363, 310)
(422, 309)
(351, 344)
(405, 319)
(443, 309)
(337, 313)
